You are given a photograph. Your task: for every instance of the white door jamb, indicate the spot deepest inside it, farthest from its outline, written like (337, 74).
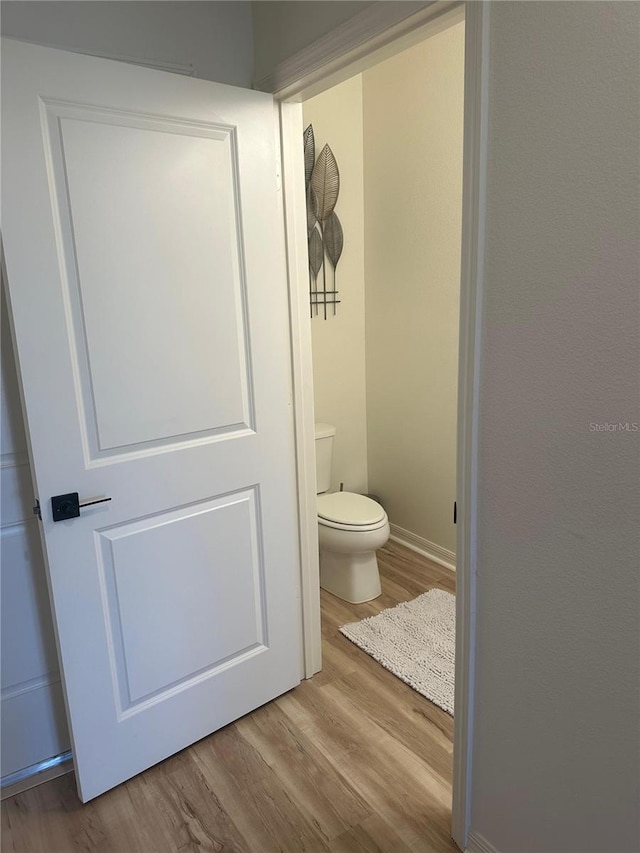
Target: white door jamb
(295, 216)
(471, 289)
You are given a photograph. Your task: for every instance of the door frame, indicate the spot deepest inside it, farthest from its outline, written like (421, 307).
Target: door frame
(371, 36)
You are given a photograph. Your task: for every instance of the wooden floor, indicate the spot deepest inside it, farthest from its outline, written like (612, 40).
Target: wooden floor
(351, 760)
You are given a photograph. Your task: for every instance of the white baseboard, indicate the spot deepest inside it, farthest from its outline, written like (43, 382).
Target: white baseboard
(434, 552)
(478, 844)
(44, 771)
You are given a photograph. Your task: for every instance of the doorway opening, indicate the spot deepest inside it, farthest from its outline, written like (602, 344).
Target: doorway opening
(384, 341)
(329, 62)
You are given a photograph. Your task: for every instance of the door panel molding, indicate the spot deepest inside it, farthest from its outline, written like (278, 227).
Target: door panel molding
(98, 328)
(147, 667)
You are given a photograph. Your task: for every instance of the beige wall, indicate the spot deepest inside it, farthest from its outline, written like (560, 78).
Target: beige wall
(413, 111)
(385, 368)
(338, 342)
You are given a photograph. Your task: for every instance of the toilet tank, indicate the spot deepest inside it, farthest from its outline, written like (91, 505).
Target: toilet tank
(325, 433)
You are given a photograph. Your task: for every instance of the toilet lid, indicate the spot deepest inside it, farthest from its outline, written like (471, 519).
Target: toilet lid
(349, 508)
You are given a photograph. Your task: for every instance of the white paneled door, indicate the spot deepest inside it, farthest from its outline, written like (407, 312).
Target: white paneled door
(146, 275)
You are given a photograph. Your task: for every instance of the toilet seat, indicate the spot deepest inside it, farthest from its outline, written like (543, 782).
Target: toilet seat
(349, 511)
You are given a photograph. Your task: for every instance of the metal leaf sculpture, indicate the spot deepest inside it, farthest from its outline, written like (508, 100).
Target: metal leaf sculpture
(312, 206)
(325, 181)
(333, 239)
(316, 260)
(309, 154)
(324, 231)
(316, 253)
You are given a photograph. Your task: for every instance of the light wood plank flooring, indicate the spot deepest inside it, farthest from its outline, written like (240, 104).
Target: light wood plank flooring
(351, 760)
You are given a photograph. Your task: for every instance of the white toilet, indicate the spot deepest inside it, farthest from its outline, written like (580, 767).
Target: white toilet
(350, 529)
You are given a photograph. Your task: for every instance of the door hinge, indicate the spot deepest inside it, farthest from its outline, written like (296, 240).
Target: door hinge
(455, 512)
(36, 509)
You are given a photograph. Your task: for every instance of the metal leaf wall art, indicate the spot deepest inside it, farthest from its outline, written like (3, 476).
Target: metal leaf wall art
(309, 154)
(325, 182)
(326, 238)
(316, 256)
(312, 206)
(333, 239)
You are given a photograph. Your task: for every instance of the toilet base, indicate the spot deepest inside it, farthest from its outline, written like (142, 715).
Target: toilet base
(352, 577)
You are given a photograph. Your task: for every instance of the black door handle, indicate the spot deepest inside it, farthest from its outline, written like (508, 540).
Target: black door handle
(64, 507)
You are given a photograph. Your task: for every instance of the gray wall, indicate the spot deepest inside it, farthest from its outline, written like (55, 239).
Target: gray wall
(215, 37)
(282, 27)
(557, 748)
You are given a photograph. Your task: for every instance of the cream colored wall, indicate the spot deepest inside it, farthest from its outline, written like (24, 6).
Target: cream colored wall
(413, 121)
(338, 342)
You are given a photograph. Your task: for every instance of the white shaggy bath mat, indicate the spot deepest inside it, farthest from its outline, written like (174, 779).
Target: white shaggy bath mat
(415, 641)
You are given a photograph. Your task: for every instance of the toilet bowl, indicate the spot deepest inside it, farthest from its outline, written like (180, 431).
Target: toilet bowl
(351, 528)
